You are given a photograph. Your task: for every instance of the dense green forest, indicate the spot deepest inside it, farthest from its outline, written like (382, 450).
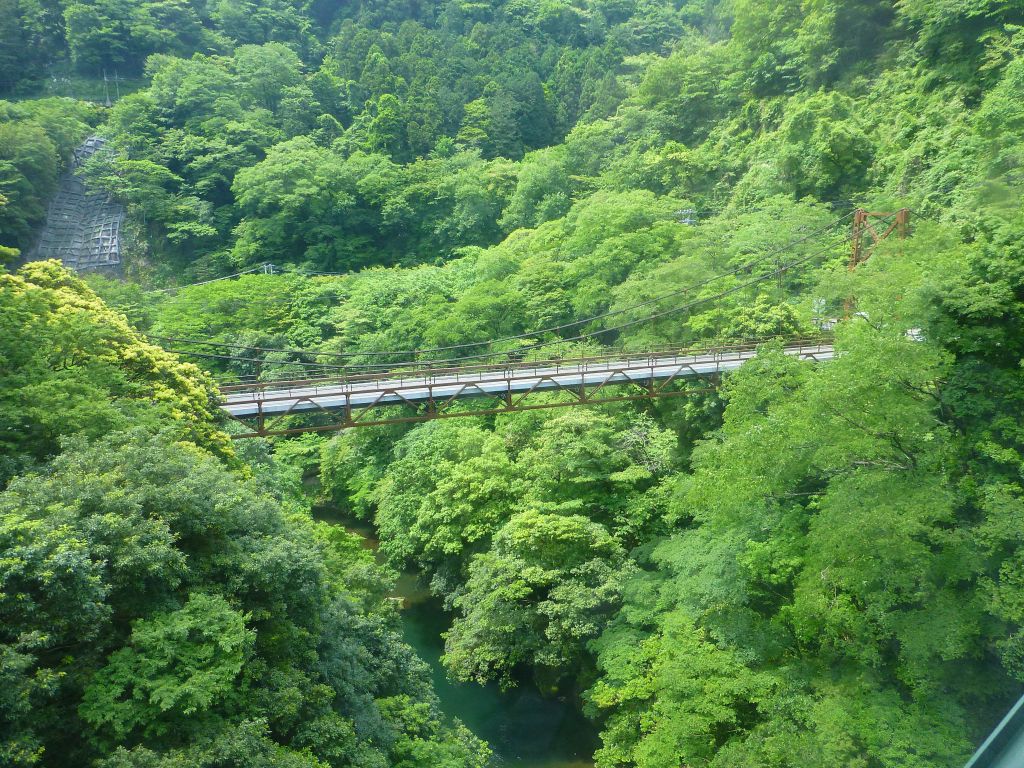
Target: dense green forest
(810, 565)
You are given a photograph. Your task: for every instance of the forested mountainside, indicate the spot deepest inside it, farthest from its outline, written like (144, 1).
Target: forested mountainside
(811, 565)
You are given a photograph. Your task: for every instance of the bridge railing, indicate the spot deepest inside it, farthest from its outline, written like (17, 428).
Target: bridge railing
(429, 375)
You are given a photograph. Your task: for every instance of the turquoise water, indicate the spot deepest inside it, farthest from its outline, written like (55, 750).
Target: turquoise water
(524, 729)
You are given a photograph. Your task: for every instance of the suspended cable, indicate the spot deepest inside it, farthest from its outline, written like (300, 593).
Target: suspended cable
(370, 368)
(315, 273)
(517, 337)
(257, 360)
(689, 305)
(782, 269)
(257, 268)
(266, 268)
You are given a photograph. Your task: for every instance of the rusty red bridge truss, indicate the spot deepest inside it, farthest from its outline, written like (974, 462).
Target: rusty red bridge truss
(437, 392)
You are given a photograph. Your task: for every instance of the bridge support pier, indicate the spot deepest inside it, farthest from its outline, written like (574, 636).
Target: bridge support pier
(865, 238)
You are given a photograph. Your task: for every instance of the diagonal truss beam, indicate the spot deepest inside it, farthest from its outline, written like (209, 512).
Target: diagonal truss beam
(361, 401)
(428, 414)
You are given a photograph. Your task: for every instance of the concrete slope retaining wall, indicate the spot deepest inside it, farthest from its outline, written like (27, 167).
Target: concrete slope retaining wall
(83, 226)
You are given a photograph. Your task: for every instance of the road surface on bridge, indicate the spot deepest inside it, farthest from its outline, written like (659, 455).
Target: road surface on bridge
(437, 386)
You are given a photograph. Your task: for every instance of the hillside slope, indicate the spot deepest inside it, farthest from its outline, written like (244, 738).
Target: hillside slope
(814, 565)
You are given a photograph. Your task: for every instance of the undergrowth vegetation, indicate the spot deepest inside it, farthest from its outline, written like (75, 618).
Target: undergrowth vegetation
(811, 565)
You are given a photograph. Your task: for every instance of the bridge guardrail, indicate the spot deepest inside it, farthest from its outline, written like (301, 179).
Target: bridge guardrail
(535, 369)
(401, 373)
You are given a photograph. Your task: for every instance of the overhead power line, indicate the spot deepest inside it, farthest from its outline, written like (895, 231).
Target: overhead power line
(258, 360)
(680, 308)
(530, 334)
(251, 270)
(780, 270)
(265, 268)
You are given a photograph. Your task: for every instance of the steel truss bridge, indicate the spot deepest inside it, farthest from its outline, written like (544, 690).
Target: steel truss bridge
(437, 392)
(414, 391)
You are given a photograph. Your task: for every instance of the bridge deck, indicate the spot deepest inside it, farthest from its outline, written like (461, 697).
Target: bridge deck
(444, 386)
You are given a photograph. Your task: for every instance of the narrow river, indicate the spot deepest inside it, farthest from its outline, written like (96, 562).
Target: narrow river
(524, 729)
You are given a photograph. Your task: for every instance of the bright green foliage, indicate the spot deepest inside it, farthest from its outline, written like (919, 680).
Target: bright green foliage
(176, 668)
(821, 149)
(232, 79)
(70, 365)
(114, 37)
(676, 689)
(829, 525)
(114, 33)
(298, 191)
(168, 602)
(817, 565)
(248, 744)
(449, 488)
(30, 165)
(547, 584)
(158, 608)
(522, 526)
(416, 743)
(36, 139)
